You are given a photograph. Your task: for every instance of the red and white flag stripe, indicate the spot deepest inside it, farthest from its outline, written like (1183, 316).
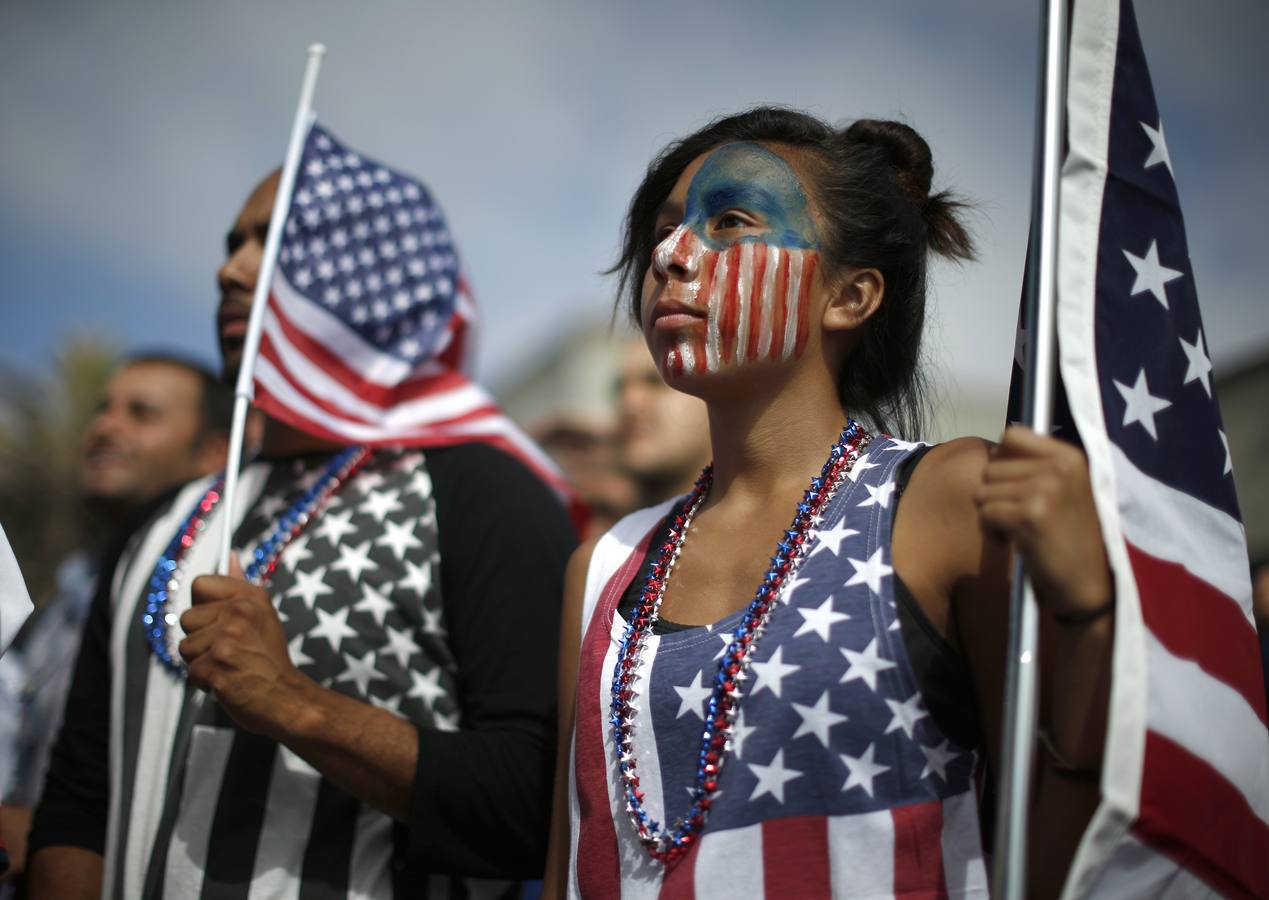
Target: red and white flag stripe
(908, 851)
(756, 299)
(317, 374)
(1185, 785)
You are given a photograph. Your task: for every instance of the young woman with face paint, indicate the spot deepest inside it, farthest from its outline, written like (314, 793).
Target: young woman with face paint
(790, 681)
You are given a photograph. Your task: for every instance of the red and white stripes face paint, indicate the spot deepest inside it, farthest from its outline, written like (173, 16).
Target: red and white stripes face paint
(755, 296)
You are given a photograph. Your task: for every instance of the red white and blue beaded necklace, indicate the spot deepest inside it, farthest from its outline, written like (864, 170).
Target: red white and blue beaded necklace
(157, 619)
(668, 844)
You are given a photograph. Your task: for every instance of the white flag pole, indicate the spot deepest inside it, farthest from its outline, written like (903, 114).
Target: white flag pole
(1009, 878)
(244, 392)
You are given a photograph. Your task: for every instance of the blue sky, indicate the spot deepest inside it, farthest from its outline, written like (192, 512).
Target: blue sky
(131, 132)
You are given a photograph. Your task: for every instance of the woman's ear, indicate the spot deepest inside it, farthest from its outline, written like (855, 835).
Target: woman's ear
(856, 297)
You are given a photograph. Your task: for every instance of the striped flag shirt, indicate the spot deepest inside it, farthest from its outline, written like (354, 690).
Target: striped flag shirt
(1185, 808)
(201, 808)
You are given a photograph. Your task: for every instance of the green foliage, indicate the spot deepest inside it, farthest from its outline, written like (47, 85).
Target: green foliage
(42, 422)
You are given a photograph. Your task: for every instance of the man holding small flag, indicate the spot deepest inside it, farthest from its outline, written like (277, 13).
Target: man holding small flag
(379, 670)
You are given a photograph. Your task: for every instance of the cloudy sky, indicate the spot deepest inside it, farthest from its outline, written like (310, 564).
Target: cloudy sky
(130, 132)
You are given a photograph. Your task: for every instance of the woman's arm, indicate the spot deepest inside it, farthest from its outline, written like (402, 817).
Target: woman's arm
(1035, 492)
(968, 508)
(555, 883)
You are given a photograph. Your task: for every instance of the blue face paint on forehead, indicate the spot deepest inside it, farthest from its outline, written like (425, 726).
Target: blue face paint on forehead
(750, 177)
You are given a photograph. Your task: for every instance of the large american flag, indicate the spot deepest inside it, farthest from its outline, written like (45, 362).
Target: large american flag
(1185, 808)
(369, 333)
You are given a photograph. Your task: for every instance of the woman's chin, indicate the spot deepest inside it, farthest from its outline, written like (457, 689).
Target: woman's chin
(725, 380)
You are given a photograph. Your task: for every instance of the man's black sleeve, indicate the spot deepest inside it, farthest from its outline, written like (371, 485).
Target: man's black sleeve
(75, 802)
(76, 797)
(482, 795)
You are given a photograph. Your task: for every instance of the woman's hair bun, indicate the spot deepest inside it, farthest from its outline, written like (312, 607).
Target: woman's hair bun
(909, 157)
(905, 150)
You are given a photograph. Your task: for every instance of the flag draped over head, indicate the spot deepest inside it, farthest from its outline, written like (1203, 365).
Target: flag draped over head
(369, 333)
(1185, 785)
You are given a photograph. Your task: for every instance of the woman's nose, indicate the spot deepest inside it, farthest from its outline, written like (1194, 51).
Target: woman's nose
(679, 254)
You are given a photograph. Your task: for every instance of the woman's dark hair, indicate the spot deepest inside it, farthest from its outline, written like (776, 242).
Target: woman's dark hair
(871, 184)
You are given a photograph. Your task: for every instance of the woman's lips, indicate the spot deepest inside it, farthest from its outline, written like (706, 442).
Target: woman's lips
(233, 328)
(673, 321)
(673, 314)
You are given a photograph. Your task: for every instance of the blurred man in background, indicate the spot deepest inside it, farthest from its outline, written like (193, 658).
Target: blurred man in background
(162, 421)
(15, 606)
(662, 434)
(587, 455)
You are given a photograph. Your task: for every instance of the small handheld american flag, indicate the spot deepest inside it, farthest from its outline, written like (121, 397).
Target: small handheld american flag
(369, 333)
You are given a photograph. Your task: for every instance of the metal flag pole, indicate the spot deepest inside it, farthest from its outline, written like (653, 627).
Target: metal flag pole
(244, 392)
(1009, 876)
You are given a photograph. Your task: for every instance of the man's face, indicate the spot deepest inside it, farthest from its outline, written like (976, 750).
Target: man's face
(662, 433)
(145, 437)
(244, 249)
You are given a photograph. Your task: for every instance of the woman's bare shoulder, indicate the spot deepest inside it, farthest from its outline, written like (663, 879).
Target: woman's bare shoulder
(575, 575)
(950, 472)
(938, 519)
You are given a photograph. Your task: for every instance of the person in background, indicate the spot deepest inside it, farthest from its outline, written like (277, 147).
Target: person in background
(162, 421)
(662, 434)
(15, 605)
(587, 455)
(660, 440)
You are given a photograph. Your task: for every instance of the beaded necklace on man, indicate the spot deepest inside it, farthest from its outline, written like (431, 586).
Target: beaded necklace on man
(667, 844)
(157, 619)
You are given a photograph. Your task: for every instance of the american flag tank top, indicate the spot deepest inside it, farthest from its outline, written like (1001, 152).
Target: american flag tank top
(840, 783)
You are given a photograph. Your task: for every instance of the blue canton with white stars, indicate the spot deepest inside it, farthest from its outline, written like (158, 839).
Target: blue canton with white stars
(1155, 373)
(370, 245)
(832, 721)
(1153, 368)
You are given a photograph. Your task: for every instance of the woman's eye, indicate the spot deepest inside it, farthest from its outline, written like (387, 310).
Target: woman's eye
(731, 220)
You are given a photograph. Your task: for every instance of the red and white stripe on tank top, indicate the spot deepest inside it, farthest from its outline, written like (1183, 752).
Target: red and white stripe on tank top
(839, 785)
